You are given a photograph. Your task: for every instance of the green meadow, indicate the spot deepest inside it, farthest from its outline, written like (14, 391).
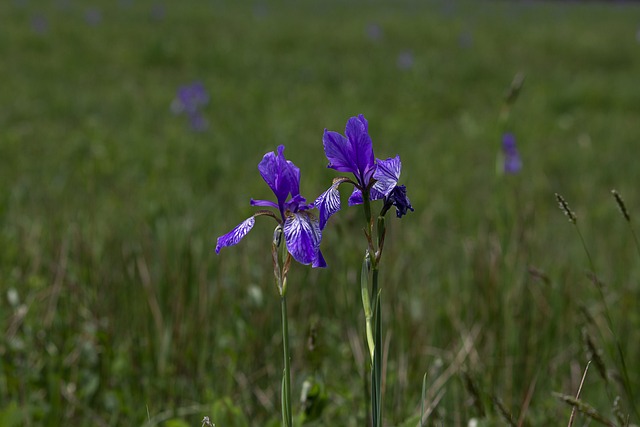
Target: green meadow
(116, 311)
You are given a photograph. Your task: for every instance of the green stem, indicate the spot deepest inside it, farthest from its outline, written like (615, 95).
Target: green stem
(286, 388)
(366, 304)
(376, 373)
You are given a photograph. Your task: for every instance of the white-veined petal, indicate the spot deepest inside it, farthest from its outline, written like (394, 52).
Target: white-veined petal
(235, 235)
(302, 234)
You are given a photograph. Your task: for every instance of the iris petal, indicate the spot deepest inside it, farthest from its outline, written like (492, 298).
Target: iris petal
(360, 148)
(281, 175)
(302, 234)
(235, 235)
(387, 174)
(318, 261)
(355, 198)
(328, 203)
(336, 148)
(398, 198)
(263, 203)
(269, 170)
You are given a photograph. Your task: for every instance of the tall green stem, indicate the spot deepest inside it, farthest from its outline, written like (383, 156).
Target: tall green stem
(372, 307)
(376, 372)
(286, 381)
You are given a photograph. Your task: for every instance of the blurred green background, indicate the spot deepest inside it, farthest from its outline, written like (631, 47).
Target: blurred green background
(114, 308)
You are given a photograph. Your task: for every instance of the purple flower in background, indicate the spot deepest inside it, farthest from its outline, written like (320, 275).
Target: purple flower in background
(512, 162)
(39, 24)
(354, 153)
(189, 100)
(374, 32)
(638, 35)
(260, 10)
(93, 17)
(301, 230)
(158, 12)
(405, 60)
(465, 40)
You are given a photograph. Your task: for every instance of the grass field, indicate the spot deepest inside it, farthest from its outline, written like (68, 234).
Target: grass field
(115, 310)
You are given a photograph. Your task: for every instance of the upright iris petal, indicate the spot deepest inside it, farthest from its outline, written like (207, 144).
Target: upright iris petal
(281, 175)
(357, 132)
(301, 229)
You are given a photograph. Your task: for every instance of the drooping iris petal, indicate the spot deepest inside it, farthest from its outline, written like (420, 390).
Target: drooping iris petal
(235, 235)
(318, 261)
(398, 198)
(360, 148)
(356, 196)
(387, 174)
(336, 148)
(328, 203)
(302, 235)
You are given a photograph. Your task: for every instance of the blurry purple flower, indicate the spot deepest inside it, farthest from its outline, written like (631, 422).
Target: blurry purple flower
(638, 35)
(374, 32)
(39, 24)
(512, 162)
(158, 12)
(63, 4)
(198, 122)
(449, 8)
(465, 40)
(189, 100)
(354, 154)
(93, 17)
(302, 232)
(260, 10)
(405, 60)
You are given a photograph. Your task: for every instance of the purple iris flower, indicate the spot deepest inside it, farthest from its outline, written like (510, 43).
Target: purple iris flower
(354, 153)
(189, 100)
(39, 24)
(387, 176)
(302, 232)
(512, 162)
(93, 16)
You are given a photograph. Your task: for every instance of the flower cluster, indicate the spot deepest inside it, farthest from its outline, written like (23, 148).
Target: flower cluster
(354, 153)
(189, 100)
(374, 179)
